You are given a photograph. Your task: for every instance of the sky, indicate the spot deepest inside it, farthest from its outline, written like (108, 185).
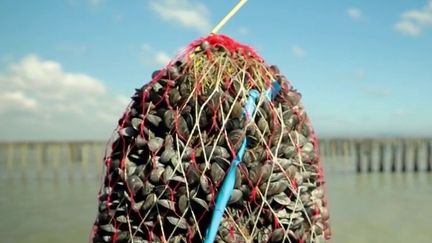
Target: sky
(68, 67)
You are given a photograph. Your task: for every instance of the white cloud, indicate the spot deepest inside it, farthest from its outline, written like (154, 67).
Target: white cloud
(400, 113)
(298, 51)
(146, 47)
(162, 58)
(190, 14)
(360, 74)
(49, 78)
(354, 13)
(243, 30)
(407, 28)
(423, 16)
(150, 56)
(39, 100)
(91, 3)
(96, 3)
(18, 100)
(413, 22)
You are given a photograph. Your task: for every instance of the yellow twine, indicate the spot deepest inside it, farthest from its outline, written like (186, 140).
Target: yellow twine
(224, 20)
(199, 60)
(231, 13)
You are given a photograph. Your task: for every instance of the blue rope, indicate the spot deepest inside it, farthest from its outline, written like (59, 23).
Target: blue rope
(227, 187)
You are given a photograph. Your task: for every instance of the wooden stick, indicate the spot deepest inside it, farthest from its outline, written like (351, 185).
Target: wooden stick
(429, 157)
(23, 148)
(231, 13)
(393, 157)
(358, 157)
(369, 153)
(404, 156)
(381, 157)
(415, 159)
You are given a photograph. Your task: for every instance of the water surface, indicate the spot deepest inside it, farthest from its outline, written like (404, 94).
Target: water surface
(41, 204)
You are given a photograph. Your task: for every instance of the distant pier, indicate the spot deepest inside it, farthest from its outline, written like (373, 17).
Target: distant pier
(380, 155)
(75, 160)
(84, 159)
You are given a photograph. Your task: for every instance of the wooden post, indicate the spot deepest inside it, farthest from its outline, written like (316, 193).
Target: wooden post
(346, 150)
(57, 159)
(381, 157)
(46, 158)
(66, 148)
(75, 152)
(327, 148)
(393, 157)
(84, 151)
(23, 150)
(416, 150)
(71, 152)
(358, 157)
(338, 147)
(38, 151)
(404, 156)
(333, 148)
(9, 157)
(429, 157)
(370, 148)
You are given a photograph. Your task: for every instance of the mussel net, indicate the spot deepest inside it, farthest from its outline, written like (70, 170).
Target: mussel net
(174, 144)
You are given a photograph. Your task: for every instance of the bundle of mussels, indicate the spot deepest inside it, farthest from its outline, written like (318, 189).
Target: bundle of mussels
(174, 144)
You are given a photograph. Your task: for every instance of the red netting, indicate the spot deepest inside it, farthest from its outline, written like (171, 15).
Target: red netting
(176, 140)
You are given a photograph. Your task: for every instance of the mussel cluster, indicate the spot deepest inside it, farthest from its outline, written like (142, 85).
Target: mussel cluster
(174, 144)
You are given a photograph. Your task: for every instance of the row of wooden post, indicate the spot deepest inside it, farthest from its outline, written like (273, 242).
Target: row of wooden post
(404, 160)
(50, 157)
(360, 152)
(367, 155)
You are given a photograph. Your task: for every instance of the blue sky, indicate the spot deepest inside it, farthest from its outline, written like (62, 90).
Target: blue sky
(67, 67)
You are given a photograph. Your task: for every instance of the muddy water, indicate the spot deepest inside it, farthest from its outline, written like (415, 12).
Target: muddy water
(53, 206)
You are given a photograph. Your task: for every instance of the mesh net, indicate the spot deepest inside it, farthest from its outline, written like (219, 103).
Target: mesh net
(165, 163)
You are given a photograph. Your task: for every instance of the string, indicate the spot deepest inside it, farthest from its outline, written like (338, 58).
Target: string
(227, 17)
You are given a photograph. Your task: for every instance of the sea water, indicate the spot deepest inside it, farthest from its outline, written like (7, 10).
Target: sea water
(42, 203)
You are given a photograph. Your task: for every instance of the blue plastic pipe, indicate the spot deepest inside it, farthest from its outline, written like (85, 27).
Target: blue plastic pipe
(227, 187)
